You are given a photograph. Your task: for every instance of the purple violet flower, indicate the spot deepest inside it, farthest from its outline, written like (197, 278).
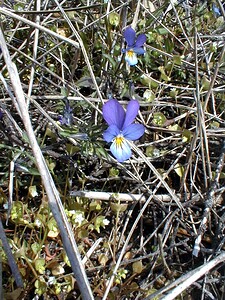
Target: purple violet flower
(121, 127)
(216, 10)
(67, 118)
(134, 45)
(1, 114)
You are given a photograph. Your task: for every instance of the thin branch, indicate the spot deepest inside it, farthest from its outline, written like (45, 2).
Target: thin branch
(210, 201)
(38, 26)
(11, 260)
(36, 37)
(185, 281)
(108, 196)
(193, 276)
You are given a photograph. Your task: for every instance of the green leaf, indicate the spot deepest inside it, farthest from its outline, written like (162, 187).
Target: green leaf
(95, 205)
(35, 247)
(158, 119)
(57, 269)
(40, 220)
(149, 82)
(205, 84)
(53, 229)
(87, 82)
(121, 274)
(17, 210)
(64, 92)
(66, 259)
(222, 175)
(173, 93)
(174, 127)
(41, 286)
(70, 132)
(162, 30)
(70, 282)
(179, 169)
(149, 96)
(214, 124)
(40, 265)
(114, 19)
(118, 207)
(113, 172)
(169, 45)
(186, 136)
(49, 132)
(150, 292)
(137, 267)
(177, 59)
(101, 152)
(100, 221)
(152, 151)
(111, 59)
(33, 191)
(102, 259)
(72, 149)
(163, 74)
(19, 6)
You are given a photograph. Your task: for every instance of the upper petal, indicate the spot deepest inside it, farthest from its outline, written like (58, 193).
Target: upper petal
(110, 133)
(130, 36)
(132, 111)
(141, 39)
(113, 113)
(133, 131)
(122, 152)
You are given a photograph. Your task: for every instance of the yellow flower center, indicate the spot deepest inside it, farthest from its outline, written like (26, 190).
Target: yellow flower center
(130, 53)
(119, 141)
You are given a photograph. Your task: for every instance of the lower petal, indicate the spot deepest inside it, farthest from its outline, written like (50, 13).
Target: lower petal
(131, 58)
(121, 152)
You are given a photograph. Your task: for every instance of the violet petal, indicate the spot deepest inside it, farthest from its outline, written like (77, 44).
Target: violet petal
(131, 58)
(113, 113)
(132, 111)
(1, 114)
(121, 152)
(138, 50)
(133, 131)
(141, 39)
(110, 133)
(130, 36)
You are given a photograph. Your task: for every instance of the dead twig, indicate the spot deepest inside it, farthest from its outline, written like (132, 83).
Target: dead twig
(210, 200)
(11, 260)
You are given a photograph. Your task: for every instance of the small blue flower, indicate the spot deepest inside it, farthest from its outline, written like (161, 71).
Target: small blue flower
(121, 127)
(216, 10)
(134, 45)
(67, 118)
(1, 114)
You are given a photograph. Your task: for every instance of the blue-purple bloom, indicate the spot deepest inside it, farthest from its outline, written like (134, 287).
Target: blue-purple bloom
(67, 118)
(134, 45)
(121, 127)
(1, 114)
(216, 10)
